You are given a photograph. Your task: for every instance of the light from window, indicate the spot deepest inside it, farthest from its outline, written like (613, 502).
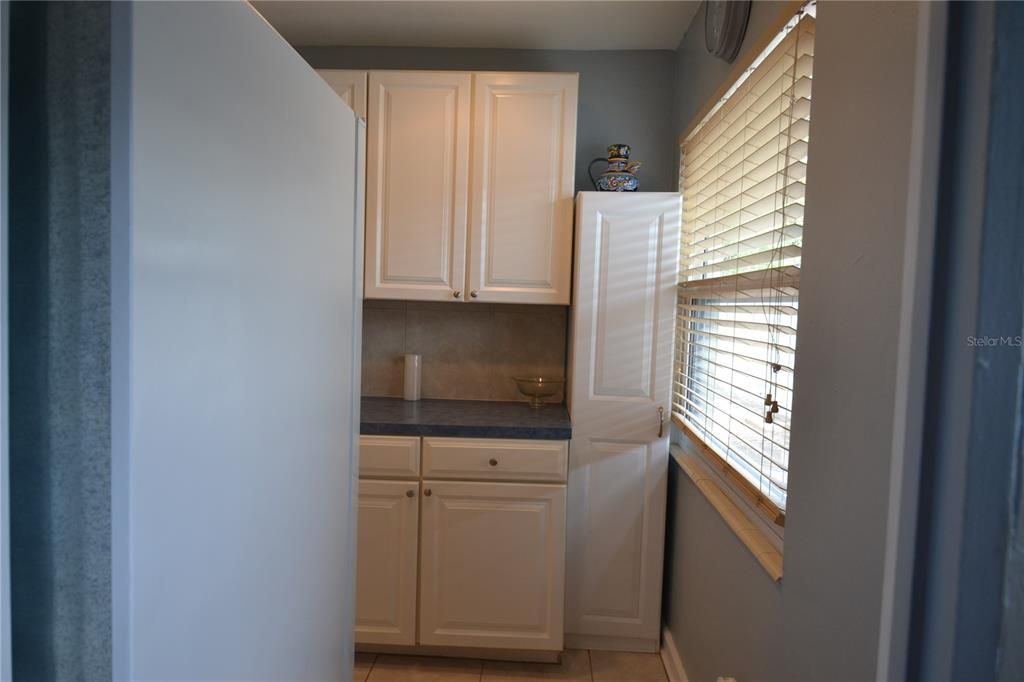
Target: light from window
(742, 175)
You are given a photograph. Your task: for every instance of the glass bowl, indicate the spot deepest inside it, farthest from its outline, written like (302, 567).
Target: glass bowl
(537, 389)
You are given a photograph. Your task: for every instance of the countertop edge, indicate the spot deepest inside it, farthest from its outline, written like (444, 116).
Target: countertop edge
(463, 419)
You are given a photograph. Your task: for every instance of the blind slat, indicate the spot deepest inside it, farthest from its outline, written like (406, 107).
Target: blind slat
(784, 367)
(749, 404)
(751, 285)
(791, 142)
(767, 218)
(778, 114)
(759, 258)
(713, 249)
(731, 368)
(741, 324)
(766, 182)
(737, 210)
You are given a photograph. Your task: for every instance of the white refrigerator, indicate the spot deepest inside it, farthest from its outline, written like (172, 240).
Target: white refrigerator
(236, 299)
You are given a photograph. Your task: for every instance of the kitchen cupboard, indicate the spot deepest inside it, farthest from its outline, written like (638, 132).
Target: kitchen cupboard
(492, 565)
(479, 526)
(627, 252)
(386, 562)
(387, 539)
(499, 231)
(524, 151)
(417, 184)
(350, 86)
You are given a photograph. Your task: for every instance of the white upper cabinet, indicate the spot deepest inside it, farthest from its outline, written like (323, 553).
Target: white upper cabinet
(522, 142)
(521, 215)
(350, 86)
(416, 184)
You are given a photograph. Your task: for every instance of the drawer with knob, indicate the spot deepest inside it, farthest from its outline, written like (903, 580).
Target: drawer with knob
(495, 460)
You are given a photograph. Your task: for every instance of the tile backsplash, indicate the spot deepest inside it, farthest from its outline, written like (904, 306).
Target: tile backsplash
(470, 350)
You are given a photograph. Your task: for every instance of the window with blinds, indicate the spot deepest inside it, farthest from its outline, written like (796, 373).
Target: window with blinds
(742, 175)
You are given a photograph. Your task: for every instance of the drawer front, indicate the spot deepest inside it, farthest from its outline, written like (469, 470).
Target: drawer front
(495, 460)
(389, 457)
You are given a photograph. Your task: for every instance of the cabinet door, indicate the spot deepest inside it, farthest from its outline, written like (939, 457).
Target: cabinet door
(350, 86)
(416, 184)
(524, 153)
(623, 320)
(492, 565)
(386, 568)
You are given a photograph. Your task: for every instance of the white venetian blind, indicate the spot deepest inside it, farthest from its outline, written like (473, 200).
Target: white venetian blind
(742, 175)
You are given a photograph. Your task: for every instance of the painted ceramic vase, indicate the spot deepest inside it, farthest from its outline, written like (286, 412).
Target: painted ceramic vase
(620, 175)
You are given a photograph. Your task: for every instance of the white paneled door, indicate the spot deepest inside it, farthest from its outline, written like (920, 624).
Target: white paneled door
(350, 86)
(386, 555)
(627, 252)
(492, 566)
(417, 184)
(524, 148)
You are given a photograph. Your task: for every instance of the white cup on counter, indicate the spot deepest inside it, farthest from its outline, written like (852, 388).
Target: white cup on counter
(413, 376)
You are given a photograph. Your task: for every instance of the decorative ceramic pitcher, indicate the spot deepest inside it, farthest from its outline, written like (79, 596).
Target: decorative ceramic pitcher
(620, 175)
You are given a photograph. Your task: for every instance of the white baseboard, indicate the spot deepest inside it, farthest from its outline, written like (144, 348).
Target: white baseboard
(670, 658)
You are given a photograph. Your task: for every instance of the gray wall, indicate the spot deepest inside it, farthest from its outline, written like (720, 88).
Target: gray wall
(724, 612)
(697, 74)
(844, 391)
(624, 96)
(822, 622)
(470, 351)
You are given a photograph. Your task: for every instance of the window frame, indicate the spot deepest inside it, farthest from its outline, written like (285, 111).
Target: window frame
(735, 483)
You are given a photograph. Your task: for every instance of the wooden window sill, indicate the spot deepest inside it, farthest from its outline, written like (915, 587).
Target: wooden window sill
(749, 533)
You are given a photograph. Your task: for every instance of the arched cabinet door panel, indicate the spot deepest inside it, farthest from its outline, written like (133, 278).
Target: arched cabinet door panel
(386, 556)
(627, 252)
(417, 180)
(524, 155)
(492, 565)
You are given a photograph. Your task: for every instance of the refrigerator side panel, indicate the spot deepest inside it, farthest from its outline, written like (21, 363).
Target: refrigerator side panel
(242, 329)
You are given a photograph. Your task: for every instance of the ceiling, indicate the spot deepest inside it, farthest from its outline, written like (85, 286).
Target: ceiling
(526, 24)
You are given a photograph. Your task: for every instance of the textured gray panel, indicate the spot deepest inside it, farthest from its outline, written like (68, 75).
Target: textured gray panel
(60, 341)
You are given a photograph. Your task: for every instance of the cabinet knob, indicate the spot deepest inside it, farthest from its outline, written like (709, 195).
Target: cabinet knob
(410, 493)
(457, 294)
(493, 462)
(474, 293)
(427, 493)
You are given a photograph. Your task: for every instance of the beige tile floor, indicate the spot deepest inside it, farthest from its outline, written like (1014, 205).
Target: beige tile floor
(576, 666)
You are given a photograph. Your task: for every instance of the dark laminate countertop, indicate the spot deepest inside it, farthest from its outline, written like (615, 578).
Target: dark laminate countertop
(466, 418)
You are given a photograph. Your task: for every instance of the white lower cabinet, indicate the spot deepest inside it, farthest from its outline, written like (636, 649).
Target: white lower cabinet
(492, 565)
(386, 562)
(487, 555)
